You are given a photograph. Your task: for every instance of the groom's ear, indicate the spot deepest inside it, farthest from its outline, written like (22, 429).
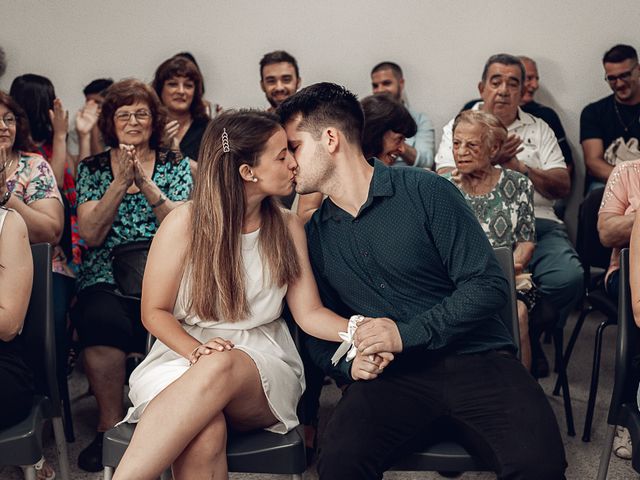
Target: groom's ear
(331, 138)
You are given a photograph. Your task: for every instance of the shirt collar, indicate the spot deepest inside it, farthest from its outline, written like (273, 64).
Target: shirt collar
(381, 186)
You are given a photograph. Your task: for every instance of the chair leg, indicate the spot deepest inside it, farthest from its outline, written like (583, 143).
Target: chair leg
(562, 378)
(61, 445)
(595, 373)
(605, 456)
(572, 342)
(66, 411)
(108, 473)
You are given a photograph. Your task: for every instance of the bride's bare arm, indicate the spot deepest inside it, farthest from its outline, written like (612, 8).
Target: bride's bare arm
(162, 276)
(303, 297)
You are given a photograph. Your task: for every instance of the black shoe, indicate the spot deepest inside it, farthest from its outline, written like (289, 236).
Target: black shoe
(90, 459)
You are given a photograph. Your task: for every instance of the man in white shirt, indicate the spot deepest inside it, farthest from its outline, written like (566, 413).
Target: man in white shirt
(531, 149)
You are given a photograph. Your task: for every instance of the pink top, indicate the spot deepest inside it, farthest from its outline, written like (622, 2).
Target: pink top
(621, 196)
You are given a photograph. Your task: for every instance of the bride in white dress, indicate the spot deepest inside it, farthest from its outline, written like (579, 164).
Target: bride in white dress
(217, 273)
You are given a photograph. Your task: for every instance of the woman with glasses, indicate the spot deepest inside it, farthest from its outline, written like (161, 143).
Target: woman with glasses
(124, 194)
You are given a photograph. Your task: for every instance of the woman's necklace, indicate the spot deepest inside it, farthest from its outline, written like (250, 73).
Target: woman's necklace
(625, 126)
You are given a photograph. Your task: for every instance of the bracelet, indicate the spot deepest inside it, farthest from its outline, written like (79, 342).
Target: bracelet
(160, 201)
(5, 198)
(347, 346)
(190, 358)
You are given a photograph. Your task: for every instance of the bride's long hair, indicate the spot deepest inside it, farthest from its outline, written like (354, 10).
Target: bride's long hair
(217, 214)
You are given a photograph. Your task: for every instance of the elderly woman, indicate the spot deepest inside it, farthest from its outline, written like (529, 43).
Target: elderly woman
(502, 199)
(178, 82)
(123, 196)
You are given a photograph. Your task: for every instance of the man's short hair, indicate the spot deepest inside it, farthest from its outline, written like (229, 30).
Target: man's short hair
(504, 59)
(394, 67)
(278, 56)
(98, 86)
(3, 62)
(381, 114)
(524, 58)
(322, 105)
(620, 53)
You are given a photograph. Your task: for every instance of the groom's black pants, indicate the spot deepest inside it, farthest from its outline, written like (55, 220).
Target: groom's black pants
(494, 406)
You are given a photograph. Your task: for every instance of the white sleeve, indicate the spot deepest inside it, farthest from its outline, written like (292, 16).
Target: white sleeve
(444, 157)
(550, 152)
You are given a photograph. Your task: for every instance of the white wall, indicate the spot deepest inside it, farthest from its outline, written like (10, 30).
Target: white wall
(441, 45)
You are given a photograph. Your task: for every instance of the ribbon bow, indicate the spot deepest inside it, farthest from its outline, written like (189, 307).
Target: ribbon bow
(347, 346)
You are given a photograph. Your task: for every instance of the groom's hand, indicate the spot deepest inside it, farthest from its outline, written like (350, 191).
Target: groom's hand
(376, 335)
(370, 366)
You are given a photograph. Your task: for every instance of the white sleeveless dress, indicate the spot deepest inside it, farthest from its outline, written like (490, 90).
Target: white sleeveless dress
(264, 336)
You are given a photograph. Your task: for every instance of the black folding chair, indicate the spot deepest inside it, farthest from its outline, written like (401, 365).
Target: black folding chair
(21, 444)
(623, 409)
(253, 452)
(449, 456)
(592, 254)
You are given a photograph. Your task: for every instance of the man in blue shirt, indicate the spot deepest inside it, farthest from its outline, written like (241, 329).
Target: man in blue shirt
(387, 77)
(401, 247)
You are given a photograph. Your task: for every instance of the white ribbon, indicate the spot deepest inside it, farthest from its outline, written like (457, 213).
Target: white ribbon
(347, 346)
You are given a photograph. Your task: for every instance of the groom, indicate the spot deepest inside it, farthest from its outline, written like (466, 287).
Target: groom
(401, 245)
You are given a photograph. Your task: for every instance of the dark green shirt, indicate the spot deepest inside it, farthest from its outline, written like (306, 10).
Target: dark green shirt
(415, 253)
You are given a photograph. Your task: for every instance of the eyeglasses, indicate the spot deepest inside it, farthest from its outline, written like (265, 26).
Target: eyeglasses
(141, 116)
(624, 76)
(9, 119)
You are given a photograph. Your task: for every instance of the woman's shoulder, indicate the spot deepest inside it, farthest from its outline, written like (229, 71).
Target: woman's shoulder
(98, 162)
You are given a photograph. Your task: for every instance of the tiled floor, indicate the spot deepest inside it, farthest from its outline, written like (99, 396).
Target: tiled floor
(582, 457)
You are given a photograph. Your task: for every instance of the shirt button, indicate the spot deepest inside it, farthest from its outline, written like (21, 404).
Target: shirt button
(356, 221)
(382, 285)
(365, 253)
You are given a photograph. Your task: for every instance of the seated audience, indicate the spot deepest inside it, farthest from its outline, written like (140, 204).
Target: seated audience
(501, 199)
(609, 127)
(402, 245)
(178, 83)
(124, 194)
(620, 201)
(531, 149)
(227, 358)
(387, 77)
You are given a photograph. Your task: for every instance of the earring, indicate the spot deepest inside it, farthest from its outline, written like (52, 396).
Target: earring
(254, 179)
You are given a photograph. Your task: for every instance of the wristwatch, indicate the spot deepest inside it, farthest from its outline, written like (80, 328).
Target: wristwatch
(5, 198)
(160, 201)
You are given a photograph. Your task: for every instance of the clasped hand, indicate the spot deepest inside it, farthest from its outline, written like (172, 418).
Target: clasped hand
(131, 170)
(376, 339)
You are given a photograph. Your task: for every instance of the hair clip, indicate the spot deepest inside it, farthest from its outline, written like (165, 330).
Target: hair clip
(225, 141)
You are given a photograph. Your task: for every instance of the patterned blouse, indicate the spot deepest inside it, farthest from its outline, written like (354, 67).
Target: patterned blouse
(135, 220)
(34, 180)
(506, 213)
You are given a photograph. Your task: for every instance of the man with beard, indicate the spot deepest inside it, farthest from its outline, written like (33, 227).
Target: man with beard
(279, 77)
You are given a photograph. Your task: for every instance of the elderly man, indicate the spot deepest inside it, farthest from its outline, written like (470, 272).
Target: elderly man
(531, 149)
(387, 77)
(615, 118)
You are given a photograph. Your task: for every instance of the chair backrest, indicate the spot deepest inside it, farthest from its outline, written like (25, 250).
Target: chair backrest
(592, 253)
(509, 313)
(627, 375)
(38, 333)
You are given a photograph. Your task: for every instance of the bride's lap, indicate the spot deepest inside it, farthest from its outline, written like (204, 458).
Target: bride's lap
(247, 408)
